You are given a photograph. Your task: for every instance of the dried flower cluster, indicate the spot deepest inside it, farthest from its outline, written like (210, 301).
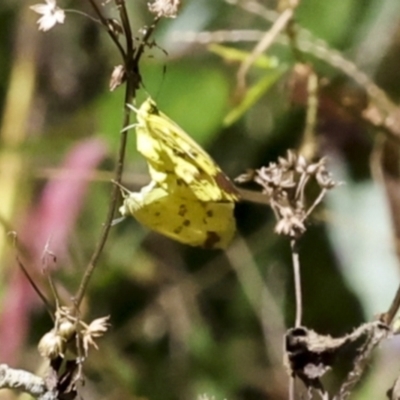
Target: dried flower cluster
(284, 183)
(69, 332)
(165, 8)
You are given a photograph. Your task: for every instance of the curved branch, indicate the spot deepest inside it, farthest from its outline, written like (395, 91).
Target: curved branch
(27, 382)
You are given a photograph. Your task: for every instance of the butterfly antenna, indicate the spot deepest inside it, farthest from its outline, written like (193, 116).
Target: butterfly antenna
(124, 190)
(164, 73)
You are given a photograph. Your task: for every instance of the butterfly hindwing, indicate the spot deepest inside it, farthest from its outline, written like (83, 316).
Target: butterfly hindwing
(182, 217)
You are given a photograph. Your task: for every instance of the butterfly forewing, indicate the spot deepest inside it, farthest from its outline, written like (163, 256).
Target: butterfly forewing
(191, 162)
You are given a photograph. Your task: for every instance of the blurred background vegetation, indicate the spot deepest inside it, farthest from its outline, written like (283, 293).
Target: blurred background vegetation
(188, 321)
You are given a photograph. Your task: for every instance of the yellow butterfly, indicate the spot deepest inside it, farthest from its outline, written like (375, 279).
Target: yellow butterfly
(189, 198)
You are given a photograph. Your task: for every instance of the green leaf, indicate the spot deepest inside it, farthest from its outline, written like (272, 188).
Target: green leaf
(254, 94)
(232, 54)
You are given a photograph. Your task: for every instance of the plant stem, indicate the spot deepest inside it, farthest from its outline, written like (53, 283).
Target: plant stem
(388, 317)
(299, 303)
(131, 59)
(132, 83)
(297, 282)
(106, 25)
(115, 193)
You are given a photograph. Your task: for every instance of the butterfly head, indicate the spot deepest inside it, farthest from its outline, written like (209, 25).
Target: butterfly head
(149, 107)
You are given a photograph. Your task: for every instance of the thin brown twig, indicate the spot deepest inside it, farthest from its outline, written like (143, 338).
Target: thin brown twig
(316, 202)
(376, 334)
(110, 31)
(291, 33)
(292, 388)
(308, 147)
(130, 88)
(378, 176)
(131, 61)
(49, 307)
(140, 49)
(279, 25)
(113, 203)
(389, 315)
(127, 27)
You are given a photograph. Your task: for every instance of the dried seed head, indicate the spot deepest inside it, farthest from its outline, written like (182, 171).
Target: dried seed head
(95, 329)
(51, 345)
(66, 329)
(291, 223)
(118, 77)
(325, 180)
(285, 185)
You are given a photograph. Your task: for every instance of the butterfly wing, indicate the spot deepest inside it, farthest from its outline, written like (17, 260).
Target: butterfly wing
(180, 216)
(167, 147)
(189, 199)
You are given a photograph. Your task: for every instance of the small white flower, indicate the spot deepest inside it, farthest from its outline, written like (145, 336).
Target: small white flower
(51, 15)
(165, 8)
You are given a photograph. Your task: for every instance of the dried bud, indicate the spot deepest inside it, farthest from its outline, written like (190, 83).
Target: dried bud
(51, 345)
(325, 180)
(66, 329)
(291, 158)
(301, 164)
(290, 224)
(165, 8)
(316, 167)
(115, 26)
(312, 168)
(118, 77)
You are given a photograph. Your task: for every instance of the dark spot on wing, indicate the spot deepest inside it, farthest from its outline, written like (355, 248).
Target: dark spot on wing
(186, 222)
(178, 153)
(182, 210)
(178, 230)
(212, 239)
(210, 213)
(157, 214)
